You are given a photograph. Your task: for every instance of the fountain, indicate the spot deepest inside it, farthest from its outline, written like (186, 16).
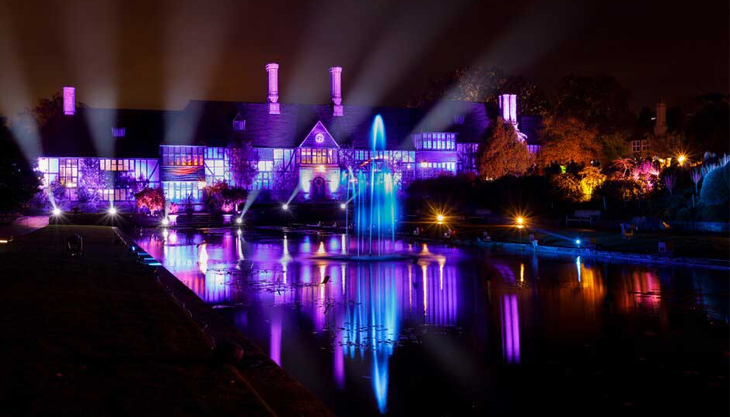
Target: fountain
(374, 199)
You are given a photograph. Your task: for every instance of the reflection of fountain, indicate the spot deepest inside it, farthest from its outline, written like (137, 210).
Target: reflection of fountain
(375, 204)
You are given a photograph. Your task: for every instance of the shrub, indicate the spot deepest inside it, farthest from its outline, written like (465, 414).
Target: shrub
(151, 198)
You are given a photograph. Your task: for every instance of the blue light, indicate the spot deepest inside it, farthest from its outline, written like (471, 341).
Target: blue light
(577, 242)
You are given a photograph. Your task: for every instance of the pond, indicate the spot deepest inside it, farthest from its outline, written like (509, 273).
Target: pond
(463, 331)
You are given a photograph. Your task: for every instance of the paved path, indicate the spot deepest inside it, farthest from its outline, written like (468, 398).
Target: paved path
(98, 335)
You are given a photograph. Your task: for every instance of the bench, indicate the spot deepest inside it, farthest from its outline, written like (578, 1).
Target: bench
(583, 216)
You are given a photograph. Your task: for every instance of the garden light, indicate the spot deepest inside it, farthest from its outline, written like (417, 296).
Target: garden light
(112, 210)
(577, 242)
(343, 206)
(440, 218)
(239, 220)
(165, 221)
(681, 159)
(520, 221)
(285, 207)
(56, 211)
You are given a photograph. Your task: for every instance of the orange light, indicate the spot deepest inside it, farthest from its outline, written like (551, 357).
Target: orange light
(520, 221)
(681, 159)
(440, 218)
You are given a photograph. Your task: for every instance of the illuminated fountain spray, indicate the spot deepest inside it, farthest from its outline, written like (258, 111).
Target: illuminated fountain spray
(375, 203)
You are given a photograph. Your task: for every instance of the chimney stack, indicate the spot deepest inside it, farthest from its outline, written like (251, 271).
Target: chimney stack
(273, 71)
(69, 101)
(660, 129)
(336, 90)
(508, 106)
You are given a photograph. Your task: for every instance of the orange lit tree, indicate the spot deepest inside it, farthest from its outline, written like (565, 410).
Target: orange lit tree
(568, 140)
(503, 153)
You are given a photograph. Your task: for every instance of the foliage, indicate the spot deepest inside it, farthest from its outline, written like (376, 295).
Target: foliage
(58, 190)
(568, 140)
(709, 127)
(503, 153)
(667, 145)
(614, 146)
(91, 181)
(174, 208)
(599, 102)
(151, 198)
(670, 181)
(242, 163)
(18, 182)
(591, 178)
(484, 85)
(568, 187)
(716, 186)
(221, 196)
(47, 108)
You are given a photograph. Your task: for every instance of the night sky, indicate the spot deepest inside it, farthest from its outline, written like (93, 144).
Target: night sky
(146, 54)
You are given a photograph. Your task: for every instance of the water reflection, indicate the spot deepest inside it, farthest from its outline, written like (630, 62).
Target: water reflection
(336, 325)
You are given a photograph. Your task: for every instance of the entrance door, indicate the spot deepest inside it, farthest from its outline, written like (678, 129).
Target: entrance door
(318, 189)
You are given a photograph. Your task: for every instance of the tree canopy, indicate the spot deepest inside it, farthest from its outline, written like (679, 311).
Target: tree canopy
(568, 140)
(503, 153)
(18, 182)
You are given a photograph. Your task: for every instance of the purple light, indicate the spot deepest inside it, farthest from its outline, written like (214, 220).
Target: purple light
(336, 90)
(273, 72)
(69, 101)
(275, 350)
(510, 329)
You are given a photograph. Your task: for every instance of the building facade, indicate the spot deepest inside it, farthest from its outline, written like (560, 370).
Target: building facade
(284, 148)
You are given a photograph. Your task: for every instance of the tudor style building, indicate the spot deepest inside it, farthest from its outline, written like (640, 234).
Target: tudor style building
(311, 147)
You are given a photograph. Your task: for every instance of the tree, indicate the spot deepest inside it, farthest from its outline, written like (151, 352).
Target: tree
(667, 145)
(484, 85)
(599, 102)
(151, 198)
(568, 140)
(47, 108)
(243, 168)
(91, 181)
(614, 146)
(503, 153)
(18, 182)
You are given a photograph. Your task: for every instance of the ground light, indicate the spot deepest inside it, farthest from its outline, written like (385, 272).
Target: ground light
(56, 211)
(343, 206)
(520, 221)
(440, 218)
(285, 207)
(239, 220)
(165, 221)
(681, 159)
(112, 210)
(577, 242)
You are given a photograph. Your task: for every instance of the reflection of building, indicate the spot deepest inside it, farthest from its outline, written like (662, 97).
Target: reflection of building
(291, 144)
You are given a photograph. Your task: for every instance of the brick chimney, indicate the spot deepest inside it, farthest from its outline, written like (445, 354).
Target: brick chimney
(69, 100)
(273, 72)
(336, 90)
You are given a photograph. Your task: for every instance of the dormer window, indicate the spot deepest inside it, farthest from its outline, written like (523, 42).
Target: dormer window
(239, 123)
(118, 132)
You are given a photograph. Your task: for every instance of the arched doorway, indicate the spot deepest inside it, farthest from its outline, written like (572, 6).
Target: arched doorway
(318, 191)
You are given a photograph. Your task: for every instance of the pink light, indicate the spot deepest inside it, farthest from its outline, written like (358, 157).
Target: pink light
(69, 101)
(273, 71)
(275, 349)
(336, 90)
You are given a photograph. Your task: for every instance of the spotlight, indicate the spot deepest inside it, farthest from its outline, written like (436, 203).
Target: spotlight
(239, 220)
(577, 242)
(343, 206)
(112, 210)
(239, 232)
(520, 221)
(56, 211)
(285, 207)
(681, 159)
(440, 218)
(165, 221)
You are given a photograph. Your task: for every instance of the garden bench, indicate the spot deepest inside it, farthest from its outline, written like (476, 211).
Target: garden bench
(583, 216)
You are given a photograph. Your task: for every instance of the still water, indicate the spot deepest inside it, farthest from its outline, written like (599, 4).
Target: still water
(463, 331)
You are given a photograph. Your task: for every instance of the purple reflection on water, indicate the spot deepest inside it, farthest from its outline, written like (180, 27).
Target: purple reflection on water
(510, 329)
(275, 348)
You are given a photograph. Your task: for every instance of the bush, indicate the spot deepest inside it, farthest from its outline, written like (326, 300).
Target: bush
(716, 186)
(152, 199)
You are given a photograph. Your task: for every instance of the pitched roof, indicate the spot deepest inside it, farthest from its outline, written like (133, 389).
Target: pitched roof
(89, 133)
(211, 123)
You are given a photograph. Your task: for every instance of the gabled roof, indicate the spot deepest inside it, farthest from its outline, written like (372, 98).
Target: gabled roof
(89, 133)
(327, 141)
